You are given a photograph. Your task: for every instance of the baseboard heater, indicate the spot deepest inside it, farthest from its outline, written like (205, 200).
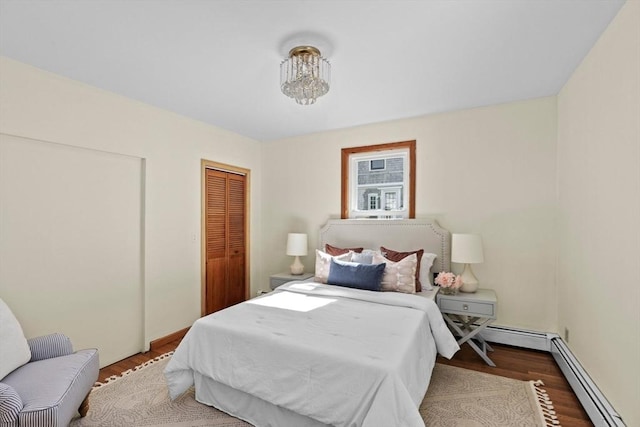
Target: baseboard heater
(599, 409)
(517, 337)
(594, 402)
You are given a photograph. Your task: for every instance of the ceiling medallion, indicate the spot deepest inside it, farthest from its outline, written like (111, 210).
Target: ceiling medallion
(305, 75)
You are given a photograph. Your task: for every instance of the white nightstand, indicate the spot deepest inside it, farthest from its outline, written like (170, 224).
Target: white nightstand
(463, 310)
(276, 280)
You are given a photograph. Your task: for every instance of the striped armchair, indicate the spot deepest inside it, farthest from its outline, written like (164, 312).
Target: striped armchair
(52, 387)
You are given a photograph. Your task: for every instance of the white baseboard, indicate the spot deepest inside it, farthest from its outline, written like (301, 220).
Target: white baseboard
(517, 337)
(594, 402)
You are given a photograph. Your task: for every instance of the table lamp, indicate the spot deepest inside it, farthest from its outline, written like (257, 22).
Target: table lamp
(297, 246)
(467, 249)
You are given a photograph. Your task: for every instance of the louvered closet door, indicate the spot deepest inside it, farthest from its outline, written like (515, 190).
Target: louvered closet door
(235, 290)
(225, 234)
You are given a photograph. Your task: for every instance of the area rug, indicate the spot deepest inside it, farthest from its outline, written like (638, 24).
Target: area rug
(456, 397)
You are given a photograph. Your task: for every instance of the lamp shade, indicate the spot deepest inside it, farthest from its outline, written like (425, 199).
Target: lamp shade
(466, 249)
(297, 244)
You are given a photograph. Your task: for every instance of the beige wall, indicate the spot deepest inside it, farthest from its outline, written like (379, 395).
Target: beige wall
(487, 170)
(39, 105)
(62, 261)
(599, 212)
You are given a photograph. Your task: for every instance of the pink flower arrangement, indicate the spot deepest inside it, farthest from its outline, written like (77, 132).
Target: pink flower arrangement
(448, 280)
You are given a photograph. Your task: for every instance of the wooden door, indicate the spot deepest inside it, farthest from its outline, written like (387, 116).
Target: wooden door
(225, 234)
(236, 289)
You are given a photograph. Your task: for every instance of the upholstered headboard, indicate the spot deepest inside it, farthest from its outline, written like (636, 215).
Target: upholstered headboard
(400, 235)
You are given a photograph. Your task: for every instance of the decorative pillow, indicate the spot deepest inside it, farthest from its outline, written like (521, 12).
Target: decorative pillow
(323, 264)
(14, 351)
(333, 251)
(399, 276)
(398, 256)
(354, 275)
(362, 258)
(425, 271)
(10, 405)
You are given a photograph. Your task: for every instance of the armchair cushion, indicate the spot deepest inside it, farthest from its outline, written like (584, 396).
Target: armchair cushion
(14, 351)
(10, 405)
(48, 346)
(52, 389)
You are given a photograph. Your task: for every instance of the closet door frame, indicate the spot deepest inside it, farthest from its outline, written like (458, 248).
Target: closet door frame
(209, 164)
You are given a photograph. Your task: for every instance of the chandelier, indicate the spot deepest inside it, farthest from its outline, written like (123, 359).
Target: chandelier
(304, 75)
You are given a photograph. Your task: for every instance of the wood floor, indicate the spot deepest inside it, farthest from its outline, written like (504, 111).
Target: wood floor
(511, 362)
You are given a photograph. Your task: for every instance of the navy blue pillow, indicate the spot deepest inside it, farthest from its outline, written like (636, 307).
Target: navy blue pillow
(358, 276)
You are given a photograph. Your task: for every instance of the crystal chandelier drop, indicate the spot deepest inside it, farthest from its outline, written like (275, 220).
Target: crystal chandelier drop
(304, 75)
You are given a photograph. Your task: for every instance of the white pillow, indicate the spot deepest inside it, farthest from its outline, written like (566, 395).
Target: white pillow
(323, 264)
(398, 276)
(14, 351)
(425, 270)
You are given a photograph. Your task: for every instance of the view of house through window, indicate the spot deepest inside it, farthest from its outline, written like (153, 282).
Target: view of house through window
(378, 181)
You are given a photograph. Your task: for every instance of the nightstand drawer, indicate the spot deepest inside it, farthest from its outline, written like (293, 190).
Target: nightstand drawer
(463, 307)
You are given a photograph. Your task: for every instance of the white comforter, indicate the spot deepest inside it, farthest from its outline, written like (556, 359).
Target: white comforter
(341, 356)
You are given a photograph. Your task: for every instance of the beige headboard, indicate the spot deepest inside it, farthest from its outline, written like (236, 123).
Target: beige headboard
(399, 235)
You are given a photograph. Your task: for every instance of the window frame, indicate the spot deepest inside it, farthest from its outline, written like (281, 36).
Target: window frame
(372, 149)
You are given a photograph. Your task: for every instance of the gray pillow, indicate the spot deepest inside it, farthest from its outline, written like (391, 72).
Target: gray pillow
(358, 276)
(362, 258)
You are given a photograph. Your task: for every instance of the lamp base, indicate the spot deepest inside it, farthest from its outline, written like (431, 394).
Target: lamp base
(297, 268)
(469, 280)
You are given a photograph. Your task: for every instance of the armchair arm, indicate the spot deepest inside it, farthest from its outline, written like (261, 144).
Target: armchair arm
(48, 346)
(10, 405)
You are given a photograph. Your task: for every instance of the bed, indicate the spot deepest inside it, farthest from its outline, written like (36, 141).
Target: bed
(312, 354)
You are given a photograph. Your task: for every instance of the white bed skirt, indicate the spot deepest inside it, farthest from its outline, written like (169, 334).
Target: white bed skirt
(254, 410)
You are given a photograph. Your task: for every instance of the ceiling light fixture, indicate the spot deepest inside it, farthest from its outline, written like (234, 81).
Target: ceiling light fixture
(304, 75)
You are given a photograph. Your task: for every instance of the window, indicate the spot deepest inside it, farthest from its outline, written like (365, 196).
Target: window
(378, 181)
(377, 165)
(391, 199)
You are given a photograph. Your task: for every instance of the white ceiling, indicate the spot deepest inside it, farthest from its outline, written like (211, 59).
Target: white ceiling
(218, 61)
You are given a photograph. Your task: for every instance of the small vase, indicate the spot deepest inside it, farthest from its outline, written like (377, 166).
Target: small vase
(448, 291)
